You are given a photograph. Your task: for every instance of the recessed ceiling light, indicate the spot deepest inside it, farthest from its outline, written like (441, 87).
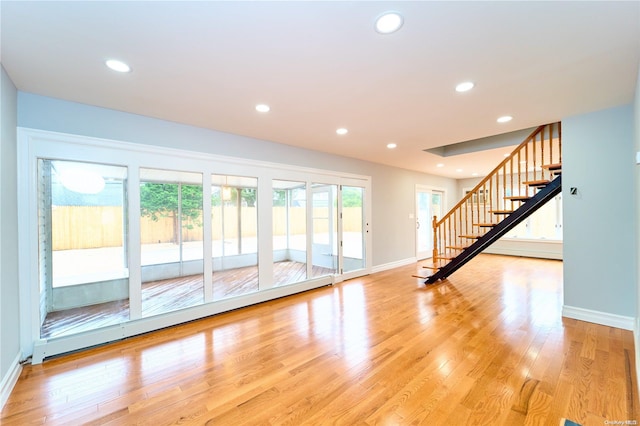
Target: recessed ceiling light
(263, 108)
(391, 145)
(505, 119)
(506, 155)
(459, 170)
(474, 174)
(389, 22)
(342, 131)
(439, 165)
(118, 66)
(464, 87)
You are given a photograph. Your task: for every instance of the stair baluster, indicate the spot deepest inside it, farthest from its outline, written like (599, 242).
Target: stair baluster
(484, 215)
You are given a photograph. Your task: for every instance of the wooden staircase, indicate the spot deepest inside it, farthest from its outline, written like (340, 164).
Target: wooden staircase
(520, 185)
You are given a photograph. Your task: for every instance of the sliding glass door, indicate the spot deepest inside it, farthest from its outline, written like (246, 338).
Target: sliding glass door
(165, 236)
(354, 228)
(171, 240)
(82, 233)
(234, 235)
(289, 232)
(324, 229)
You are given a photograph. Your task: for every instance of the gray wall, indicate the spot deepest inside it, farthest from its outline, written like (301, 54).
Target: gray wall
(393, 188)
(600, 253)
(9, 306)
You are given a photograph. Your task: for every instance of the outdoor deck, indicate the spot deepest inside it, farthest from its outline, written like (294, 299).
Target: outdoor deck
(170, 295)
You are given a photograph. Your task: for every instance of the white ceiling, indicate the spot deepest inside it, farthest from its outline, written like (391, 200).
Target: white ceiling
(320, 65)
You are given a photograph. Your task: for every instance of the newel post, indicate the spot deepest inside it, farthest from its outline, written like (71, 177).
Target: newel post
(435, 238)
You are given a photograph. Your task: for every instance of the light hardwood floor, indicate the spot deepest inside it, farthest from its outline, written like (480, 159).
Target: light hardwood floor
(488, 346)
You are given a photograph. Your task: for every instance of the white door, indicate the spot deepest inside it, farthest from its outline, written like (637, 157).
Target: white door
(340, 230)
(428, 204)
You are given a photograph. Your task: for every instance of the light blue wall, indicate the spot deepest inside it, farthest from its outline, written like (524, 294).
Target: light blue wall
(393, 188)
(9, 306)
(636, 120)
(600, 251)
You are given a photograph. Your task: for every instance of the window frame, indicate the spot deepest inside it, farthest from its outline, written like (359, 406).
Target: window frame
(34, 144)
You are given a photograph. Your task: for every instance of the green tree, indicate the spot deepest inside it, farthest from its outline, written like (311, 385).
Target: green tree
(351, 197)
(161, 200)
(248, 195)
(279, 197)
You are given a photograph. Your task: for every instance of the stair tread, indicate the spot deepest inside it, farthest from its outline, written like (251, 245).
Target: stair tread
(447, 257)
(471, 236)
(553, 166)
(436, 263)
(541, 182)
(434, 267)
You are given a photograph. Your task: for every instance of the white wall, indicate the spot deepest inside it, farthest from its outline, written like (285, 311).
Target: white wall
(600, 250)
(9, 306)
(393, 188)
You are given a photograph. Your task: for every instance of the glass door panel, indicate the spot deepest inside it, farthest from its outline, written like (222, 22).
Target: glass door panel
(423, 225)
(234, 235)
(289, 232)
(545, 223)
(436, 204)
(353, 225)
(83, 269)
(428, 205)
(171, 240)
(324, 248)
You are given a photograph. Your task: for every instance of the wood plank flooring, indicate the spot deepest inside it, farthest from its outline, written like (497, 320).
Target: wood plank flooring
(486, 347)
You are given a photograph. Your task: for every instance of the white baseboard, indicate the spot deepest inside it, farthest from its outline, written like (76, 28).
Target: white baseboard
(391, 265)
(10, 380)
(541, 249)
(597, 317)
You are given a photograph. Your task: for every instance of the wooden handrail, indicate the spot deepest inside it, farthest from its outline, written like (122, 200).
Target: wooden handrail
(494, 171)
(467, 218)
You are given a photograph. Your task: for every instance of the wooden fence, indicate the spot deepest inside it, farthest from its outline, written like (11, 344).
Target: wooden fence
(81, 227)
